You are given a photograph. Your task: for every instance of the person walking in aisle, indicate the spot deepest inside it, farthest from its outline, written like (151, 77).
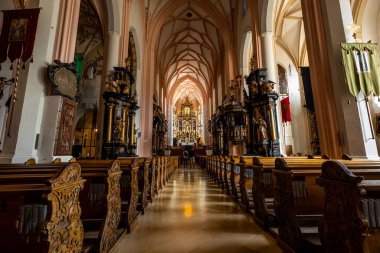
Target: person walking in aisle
(191, 159)
(185, 157)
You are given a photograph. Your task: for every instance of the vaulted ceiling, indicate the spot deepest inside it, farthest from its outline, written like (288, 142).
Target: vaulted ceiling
(90, 32)
(290, 34)
(190, 49)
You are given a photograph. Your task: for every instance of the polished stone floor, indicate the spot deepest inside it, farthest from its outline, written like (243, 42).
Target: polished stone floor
(192, 215)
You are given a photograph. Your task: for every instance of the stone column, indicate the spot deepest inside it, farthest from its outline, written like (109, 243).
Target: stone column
(340, 123)
(124, 38)
(268, 55)
(111, 59)
(67, 30)
(269, 62)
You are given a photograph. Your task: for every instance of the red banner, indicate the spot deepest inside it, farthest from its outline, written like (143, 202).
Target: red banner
(18, 34)
(285, 109)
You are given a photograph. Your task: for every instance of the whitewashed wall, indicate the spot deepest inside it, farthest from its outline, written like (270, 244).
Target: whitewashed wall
(296, 133)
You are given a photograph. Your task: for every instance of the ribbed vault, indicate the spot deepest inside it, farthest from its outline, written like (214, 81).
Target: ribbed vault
(192, 50)
(189, 45)
(290, 35)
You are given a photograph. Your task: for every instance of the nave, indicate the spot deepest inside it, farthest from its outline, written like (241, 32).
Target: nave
(193, 214)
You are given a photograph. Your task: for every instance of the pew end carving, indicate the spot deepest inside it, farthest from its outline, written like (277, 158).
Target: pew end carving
(342, 229)
(65, 228)
(288, 231)
(108, 233)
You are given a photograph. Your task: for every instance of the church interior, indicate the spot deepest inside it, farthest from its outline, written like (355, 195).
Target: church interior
(190, 126)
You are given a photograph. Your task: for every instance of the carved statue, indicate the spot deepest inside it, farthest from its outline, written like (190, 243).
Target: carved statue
(111, 85)
(261, 126)
(267, 87)
(254, 88)
(125, 86)
(128, 63)
(118, 125)
(252, 62)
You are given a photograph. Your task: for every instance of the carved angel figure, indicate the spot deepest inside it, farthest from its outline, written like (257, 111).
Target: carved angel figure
(267, 87)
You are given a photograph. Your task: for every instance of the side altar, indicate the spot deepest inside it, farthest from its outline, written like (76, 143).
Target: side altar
(120, 98)
(262, 126)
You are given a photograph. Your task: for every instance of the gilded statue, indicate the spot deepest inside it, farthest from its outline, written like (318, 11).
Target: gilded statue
(254, 88)
(117, 129)
(252, 62)
(128, 63)
(111, 85)
(261, 126)
(267, 87)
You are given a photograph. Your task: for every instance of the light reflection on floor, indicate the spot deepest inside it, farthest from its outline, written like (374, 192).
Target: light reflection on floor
(192, 215)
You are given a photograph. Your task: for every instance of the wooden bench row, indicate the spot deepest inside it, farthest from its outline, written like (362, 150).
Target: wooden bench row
(76, 207)
(309, 205)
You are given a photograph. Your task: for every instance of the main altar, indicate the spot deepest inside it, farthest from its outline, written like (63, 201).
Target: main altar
(187, 123)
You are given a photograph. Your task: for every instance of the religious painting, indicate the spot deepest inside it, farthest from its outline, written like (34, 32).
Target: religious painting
(282, 80)
(18, 29)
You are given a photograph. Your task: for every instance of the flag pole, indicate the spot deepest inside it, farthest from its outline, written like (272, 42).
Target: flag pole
(14, 98)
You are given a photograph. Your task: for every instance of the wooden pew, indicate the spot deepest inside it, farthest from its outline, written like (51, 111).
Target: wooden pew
(262, 194)
(157, 169)
(297, 212)
(209, 160)
(220, 171)
(212, 167)
(146, 185)
(101, 204)
(227, 175)
(173, 161)
(216, 169)
(343, 228)
(299, 201)
(235, 177)
(246, 183)
(130, 192)
(264, 184)
(163, 171)
(35, 214)
(152, 179)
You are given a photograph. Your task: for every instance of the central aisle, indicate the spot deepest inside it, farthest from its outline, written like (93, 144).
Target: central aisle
(192, 215)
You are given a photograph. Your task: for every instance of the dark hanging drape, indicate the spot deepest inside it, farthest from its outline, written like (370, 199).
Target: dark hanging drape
(305, 73)
(22, 47)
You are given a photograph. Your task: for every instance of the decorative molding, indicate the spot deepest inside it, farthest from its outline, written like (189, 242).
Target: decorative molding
(65, 134)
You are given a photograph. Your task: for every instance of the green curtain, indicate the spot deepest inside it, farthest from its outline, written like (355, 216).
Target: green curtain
(361, 66)
(78, 61)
